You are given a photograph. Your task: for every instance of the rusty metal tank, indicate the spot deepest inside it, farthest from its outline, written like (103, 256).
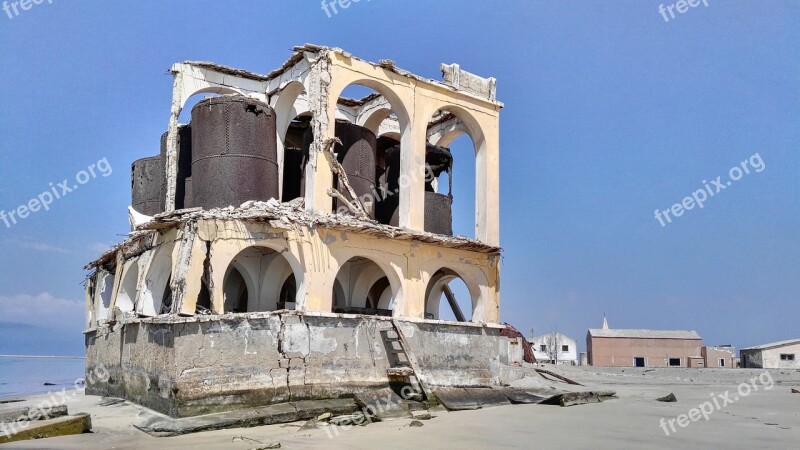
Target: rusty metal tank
(147, 182)
(294, 163)
(438, 207)
(356, 154)
(184, 163)
(234, 152)
(187, 193)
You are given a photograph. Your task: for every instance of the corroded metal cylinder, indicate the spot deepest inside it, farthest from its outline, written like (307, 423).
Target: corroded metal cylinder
(184, 162)
(234, 152)
(294, 164)
(438, 207)
(187, 193)
(147, 182)
(438, 213)
(356, 154)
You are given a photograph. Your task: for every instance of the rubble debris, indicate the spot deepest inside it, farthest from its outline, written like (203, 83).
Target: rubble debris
(382, 405)
(415, 423)
(668, 398)
(423, 416)
(350, 419)
(159, 425)
(579, 398)
(557, 376)
(49, 427)
(795, 391)
(31, 414)
(268, 446)
(520, 395)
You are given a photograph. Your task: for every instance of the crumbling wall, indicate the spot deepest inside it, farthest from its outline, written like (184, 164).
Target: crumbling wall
(199, 365)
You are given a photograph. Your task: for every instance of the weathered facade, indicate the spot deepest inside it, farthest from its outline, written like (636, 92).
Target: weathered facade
(643, 348)
(290, 240)
(777, 355)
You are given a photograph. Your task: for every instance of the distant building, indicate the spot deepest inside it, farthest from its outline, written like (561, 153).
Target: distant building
(643, 348)
(723, 356)
(555, 348)
(777, 355)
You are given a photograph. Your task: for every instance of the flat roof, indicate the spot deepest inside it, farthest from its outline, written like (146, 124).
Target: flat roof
(644, 334)
(774, 344)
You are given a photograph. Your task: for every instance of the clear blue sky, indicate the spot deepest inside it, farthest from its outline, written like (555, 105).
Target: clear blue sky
(611, 113)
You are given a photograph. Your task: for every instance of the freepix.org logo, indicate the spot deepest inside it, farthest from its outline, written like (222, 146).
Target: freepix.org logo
(15, 8)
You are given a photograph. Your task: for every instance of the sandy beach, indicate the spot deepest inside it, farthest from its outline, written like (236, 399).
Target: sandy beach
(767, 417)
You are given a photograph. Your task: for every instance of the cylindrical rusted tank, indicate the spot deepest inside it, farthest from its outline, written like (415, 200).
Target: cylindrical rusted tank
(438, 213)
(438, 207)
(184, 162)
(234, 152)
(147, 181)
(357, 157)
(294, 164)
(187, 193)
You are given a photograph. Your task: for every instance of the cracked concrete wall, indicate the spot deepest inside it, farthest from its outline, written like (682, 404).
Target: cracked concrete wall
(192, 366)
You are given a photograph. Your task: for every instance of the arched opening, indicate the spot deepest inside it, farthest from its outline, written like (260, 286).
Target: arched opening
(235, 292)
(126, 298)
(362, 287)
(259, 279)
(448, 297)
(203, 305)
(366, 110)
(453, 129)
(296, 145)
(288, 295)
(105, 284)
(295, 136)
(156, 292)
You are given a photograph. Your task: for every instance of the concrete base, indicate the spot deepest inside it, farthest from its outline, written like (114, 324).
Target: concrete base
(189, 366)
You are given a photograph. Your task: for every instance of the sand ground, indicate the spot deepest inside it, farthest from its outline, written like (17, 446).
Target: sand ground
(766, 418)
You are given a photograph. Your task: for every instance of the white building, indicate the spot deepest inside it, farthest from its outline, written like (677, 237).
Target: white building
(555, 348)
(777, 355)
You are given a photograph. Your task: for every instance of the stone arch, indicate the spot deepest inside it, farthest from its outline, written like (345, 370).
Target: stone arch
(218, 90)
(263, 271)
(356, 275)
(441, 277)
(289, 104)
(395, 103)
(462, 122)
(103, 295)
(156, 290)
(126, 298)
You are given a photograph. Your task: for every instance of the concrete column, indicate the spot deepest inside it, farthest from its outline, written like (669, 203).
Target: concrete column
(171, 162)
(412, 303)
(320, 271)
(487, 188)
(319, 177)
(187, 282)
(412, 174)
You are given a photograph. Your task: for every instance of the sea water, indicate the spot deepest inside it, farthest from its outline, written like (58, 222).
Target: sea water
(20, 376)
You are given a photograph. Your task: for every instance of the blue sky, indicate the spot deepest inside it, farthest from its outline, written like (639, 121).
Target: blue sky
(611, 113)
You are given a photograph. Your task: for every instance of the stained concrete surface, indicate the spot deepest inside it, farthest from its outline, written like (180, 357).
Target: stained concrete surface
(763, 419)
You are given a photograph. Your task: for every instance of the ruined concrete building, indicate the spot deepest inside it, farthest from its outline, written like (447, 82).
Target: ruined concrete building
(292, 244)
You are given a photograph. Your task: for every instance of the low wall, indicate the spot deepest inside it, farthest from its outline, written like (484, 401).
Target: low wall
(198, 365)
